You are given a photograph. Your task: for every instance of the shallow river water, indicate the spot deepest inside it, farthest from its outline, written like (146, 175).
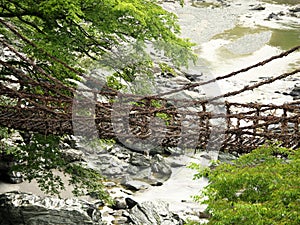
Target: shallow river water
(233, 37)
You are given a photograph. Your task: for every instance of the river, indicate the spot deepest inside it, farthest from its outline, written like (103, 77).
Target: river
(233, 37)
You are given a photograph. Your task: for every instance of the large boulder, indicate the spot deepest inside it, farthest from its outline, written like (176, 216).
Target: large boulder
(160, 168)
(26, 209)
(153, 212)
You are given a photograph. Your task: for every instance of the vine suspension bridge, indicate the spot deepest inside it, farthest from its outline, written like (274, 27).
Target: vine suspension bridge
(239, 127)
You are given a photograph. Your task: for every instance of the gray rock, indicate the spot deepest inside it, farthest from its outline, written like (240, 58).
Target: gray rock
(273, 16)
(72, 155)
(109, 184)
(26, 209)
(175, 151)
(180, 80)
(15, 177)
(176, 161)
(130, 203)
(138, 173)
(295, 9)
(258, 7)
(295, 93)
(193, 77)
(113, 172)
(138, 166)
(138, 159)
(120, 220)
(160, 169)
(6, 174)
(153, 212)
(209, 3)
(119, 203)
(136, 185)
(109, 165)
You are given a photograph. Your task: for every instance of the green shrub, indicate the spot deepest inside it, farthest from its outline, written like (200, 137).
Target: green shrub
(260, 188)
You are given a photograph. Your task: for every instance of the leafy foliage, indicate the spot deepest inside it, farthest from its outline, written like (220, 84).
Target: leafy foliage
(42, 158)
(85, 30)
(261, 187)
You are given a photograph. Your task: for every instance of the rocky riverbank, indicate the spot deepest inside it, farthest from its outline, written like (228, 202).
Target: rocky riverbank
(23, 208)
(133, 181)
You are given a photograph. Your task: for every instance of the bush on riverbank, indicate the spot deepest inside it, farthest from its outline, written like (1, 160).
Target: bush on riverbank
(262, 187)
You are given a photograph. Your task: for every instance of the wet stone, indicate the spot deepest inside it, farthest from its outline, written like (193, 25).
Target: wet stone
(258, 7)
(153, 212)
(119, 203)
(130, 203)
(160, 169)
(295, 93)
(27, 209)
(140, 160)
(136, 185)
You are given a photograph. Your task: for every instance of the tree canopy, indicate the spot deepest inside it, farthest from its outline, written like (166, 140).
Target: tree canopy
(51, 42)
(261, 187)
(77, 30)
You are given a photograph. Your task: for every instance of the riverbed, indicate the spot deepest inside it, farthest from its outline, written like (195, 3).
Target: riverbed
(235, 36)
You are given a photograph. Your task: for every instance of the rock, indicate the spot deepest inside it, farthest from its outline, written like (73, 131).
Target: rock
(273, 16)
(153, 212)
(204, 215)
(136, 185)
(180, 80)
(193, 77)
(156, 150)
(130, 203)
(72, 155)
(6, 163)
(109, 184)
(210, 3)
(152, 169)
(26, 209)
(295, 9)
(138, 159)
(119, 203)
(160, 169)
(175, 151)
(122, 156)
(109, 165)
(295, 93)
(120, 220)
(176, 161)
(258, 7)
(15, 177)
(70, 141)
(138, 173)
